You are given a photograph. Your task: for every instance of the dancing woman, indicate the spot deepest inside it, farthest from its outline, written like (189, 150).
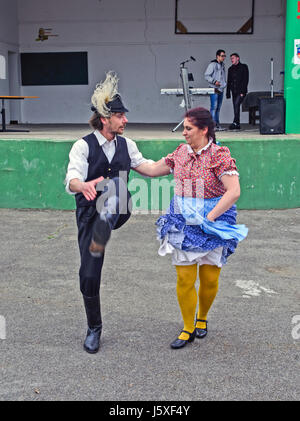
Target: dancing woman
(199, 229)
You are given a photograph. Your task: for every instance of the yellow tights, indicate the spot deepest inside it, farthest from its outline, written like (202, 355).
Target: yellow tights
(209, 282)
(187, 294)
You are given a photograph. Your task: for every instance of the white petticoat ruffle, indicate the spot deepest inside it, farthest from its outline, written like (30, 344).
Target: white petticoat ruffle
(182, 258)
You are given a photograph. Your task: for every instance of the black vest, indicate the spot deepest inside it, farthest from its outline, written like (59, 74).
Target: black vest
(99, 165)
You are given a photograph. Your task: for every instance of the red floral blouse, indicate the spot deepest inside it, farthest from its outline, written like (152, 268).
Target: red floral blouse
(199, 174)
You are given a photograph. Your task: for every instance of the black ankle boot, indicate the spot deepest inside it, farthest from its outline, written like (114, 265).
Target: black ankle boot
(93, 314)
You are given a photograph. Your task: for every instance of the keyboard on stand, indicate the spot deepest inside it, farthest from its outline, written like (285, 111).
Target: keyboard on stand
(192, 91)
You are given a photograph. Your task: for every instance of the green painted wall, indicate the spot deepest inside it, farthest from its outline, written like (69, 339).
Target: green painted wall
(32, 174)
(292, 67)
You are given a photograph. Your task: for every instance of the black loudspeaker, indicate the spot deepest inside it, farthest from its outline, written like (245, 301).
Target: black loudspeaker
(272, 115)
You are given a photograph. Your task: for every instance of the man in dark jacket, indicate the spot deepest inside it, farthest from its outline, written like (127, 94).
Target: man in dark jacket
(237, 83)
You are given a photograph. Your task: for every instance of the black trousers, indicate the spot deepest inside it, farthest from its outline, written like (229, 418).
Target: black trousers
(90, 268)
(237, 99)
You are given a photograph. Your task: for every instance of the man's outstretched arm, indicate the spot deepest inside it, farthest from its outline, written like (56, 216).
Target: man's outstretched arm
(153, 169)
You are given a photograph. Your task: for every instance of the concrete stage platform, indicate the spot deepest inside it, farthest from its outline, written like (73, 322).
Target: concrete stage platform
(33, 165)
(135, 131)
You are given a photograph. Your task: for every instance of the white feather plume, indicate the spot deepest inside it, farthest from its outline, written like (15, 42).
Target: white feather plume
(105, 92)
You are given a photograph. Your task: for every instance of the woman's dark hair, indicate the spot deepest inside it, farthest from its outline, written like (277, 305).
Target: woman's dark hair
(95, 121)
(202, 118)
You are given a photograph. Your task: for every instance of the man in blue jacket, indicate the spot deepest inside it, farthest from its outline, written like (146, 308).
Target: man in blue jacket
(216, 77)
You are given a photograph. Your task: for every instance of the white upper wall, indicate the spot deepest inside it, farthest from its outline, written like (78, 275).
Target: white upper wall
(136, 39)
(9, 22)
(9, 37)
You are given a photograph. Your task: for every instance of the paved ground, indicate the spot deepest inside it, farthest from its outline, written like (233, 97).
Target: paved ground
(252, 350)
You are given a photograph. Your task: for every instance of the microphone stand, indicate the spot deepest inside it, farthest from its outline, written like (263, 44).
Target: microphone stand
(272, 79)
(185, 86)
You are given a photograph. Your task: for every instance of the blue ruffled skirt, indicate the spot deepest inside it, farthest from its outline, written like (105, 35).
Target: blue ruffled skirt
(186, 227)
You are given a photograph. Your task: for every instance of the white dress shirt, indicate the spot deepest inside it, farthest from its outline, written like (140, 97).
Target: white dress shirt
(78, 157)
